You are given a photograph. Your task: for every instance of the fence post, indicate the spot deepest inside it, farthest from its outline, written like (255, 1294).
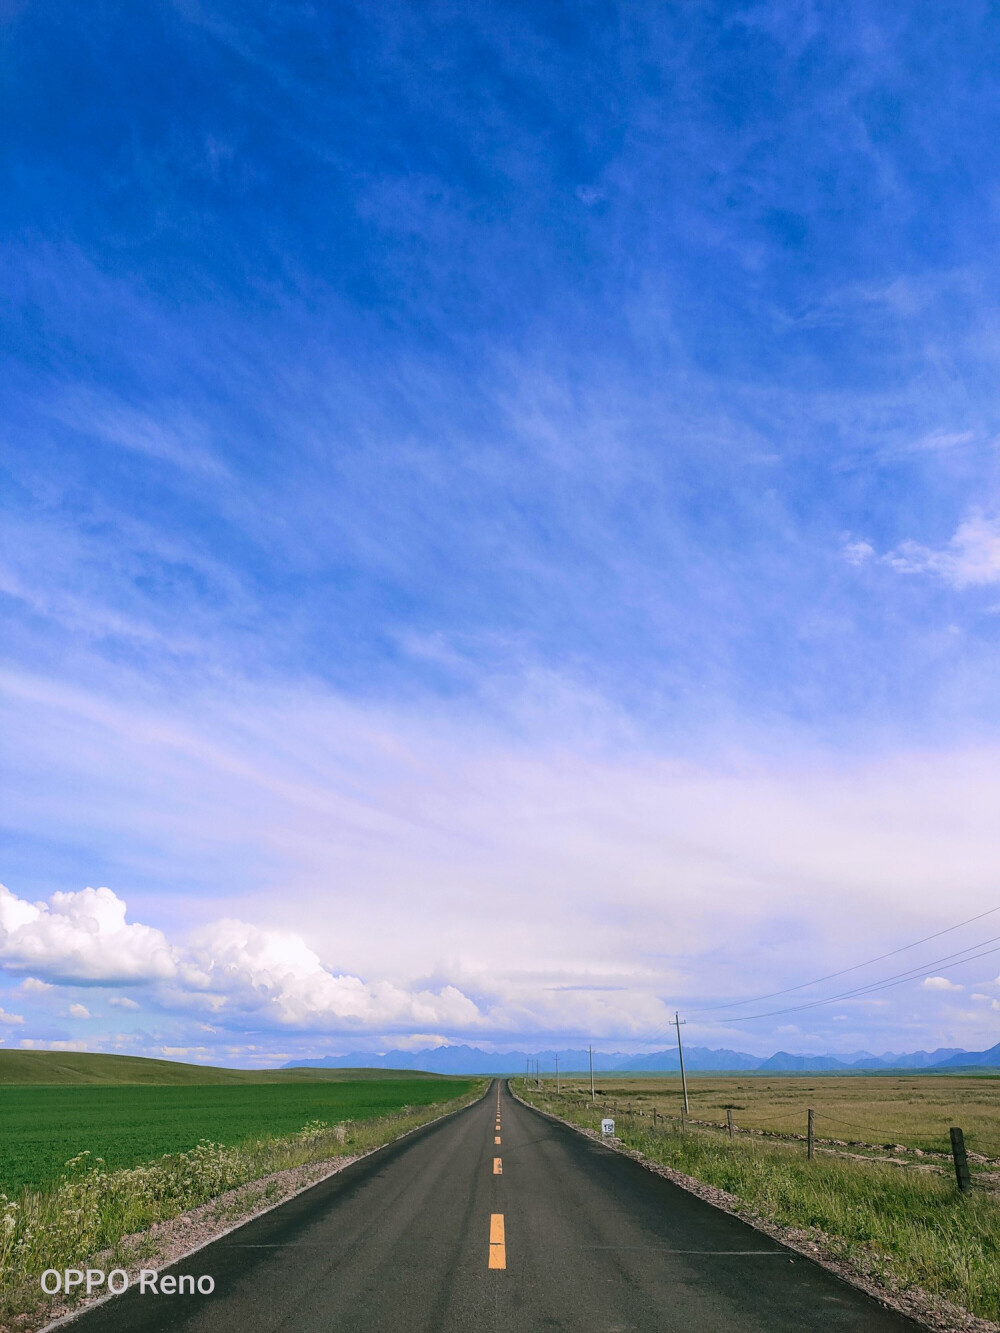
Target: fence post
(729, 1121)
(654, 1117)
(811, 1137)
(961, 1160)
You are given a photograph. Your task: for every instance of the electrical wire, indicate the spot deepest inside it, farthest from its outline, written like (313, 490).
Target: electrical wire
(830, 976)
(900, 979)
(885, 983)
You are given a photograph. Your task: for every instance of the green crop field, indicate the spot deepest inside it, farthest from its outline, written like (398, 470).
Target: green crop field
(44, 1126)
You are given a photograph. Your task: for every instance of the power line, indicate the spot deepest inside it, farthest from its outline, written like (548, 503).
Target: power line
(899, 979)
(830, 976)
(885, 983)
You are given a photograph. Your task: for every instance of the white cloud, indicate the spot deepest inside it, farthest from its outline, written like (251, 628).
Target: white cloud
(80, 937)
(971, 558)
(242, 974)
(10, 1019)
(856, 553)
(230, 967)
(940, 983)
(32, 984)
(413, 878)
(31, 1044)
(937, 441)
(275, 975)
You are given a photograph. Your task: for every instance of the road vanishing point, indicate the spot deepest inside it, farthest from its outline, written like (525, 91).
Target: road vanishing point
(498, 1218)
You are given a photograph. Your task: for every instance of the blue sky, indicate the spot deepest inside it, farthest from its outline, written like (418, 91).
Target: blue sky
(501, 523)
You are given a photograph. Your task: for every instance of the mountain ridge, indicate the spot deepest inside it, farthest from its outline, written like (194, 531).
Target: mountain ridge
(474, 1060)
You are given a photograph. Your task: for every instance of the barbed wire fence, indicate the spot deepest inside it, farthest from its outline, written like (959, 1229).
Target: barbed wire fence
(828, 1146)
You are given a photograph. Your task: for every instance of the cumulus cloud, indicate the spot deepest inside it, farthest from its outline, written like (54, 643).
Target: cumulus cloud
(229, 967)
(34, 986)
(940, 983)
(244, 975)
(275, 974)
(80, 937)
(10, 1019)
(971, 558)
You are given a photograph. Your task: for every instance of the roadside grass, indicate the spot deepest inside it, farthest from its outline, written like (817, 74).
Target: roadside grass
(92, 1209)
(126, 1125)
(910, 1229)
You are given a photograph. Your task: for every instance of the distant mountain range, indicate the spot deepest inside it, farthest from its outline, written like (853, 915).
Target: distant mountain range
(472, 1060)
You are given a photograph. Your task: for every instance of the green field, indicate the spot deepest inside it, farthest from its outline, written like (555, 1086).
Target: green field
(84, 1067)
(44, 1126)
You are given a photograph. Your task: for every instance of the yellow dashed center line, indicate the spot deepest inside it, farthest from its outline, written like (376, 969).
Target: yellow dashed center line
(497, 1166)
(498, 1246)
(497, 1139)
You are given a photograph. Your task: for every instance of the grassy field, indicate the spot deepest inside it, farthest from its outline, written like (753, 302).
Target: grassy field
(916, 1111)
(84, 1067)
(910, 1228)
(127, 1124)
(94, 1210)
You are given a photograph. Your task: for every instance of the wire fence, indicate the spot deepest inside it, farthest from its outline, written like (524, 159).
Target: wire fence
(904, 1155)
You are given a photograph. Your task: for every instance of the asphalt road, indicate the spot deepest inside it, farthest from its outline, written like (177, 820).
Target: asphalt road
(453, 1231)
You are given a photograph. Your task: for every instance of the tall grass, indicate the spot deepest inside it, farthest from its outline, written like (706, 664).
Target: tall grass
(908, 1228)
(92, 1209)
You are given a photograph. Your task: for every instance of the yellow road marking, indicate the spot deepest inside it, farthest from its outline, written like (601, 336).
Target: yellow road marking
(497, 1139)
(497, 1166)
(498, 1246)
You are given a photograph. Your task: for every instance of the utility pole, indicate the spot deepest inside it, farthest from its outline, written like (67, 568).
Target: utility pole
(592, 1097)
(680, 1052)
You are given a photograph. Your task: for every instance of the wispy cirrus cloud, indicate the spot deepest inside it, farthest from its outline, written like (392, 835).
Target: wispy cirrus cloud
(427, 599)
(649, 880)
